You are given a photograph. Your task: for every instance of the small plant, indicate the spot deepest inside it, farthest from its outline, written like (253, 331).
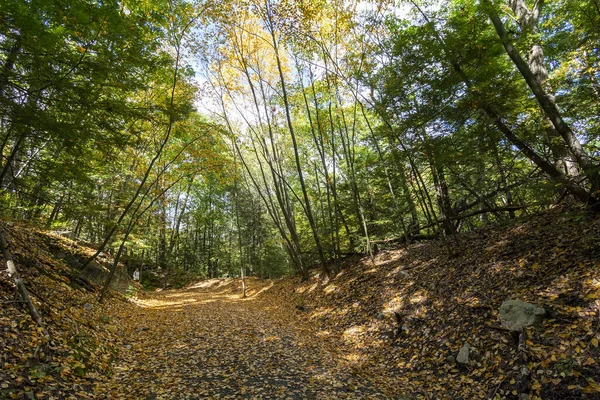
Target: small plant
(131, 291)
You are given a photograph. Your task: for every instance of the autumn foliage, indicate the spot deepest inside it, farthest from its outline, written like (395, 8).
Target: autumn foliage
(327, 339)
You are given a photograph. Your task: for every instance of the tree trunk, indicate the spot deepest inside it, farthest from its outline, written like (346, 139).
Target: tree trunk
(307, 205)
(548, 105)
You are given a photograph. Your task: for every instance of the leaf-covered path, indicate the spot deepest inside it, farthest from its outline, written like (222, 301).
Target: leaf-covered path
(206, 342)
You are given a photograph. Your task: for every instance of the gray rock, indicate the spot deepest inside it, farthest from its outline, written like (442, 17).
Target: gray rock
(403, 274)
(516, 314)
(381, 316)
(463, 354)
(451, 360)
(88, 306)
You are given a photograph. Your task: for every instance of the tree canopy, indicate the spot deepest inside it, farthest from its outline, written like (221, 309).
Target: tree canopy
(272, 137)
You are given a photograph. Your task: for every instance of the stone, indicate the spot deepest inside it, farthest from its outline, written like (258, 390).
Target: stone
(404, 274)
(381, 316)
(451, 360)
(463, 354)
(88, 306)
(516, 314)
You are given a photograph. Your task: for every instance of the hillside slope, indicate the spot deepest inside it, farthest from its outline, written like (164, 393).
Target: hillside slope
(82, 334)
(448, 298)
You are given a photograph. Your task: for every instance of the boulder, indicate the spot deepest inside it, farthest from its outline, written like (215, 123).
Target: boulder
(463, 354)
(516, 314)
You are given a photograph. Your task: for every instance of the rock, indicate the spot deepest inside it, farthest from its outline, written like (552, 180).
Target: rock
(381, 316)
(451, 360)
(516, 314)
(88, 306)
(463, 354)
(403, 274)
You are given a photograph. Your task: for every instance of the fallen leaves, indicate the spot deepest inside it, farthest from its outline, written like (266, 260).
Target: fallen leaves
(550, 259)
(79, 346)
(206, 342)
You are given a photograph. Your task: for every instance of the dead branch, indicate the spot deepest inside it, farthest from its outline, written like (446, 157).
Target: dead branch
(12, 271)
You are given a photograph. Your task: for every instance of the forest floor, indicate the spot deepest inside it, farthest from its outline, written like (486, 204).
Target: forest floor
(321, 338)
(208, 342)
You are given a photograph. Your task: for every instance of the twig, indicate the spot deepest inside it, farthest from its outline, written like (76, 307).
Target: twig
(498, 328)
(525, 373)
(497, 387)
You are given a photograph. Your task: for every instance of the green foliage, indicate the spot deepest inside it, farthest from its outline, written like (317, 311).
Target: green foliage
(394, 116)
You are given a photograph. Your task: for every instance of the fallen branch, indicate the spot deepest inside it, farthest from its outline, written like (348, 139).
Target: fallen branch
(484, 211)
(402, 239)
(498, 328)
(12, 271)
(524, 372)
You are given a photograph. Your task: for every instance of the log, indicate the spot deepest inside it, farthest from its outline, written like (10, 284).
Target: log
(402, 239)
(21, 288)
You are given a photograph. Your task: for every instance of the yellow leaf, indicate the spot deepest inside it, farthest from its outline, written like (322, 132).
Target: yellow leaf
(593, 387)
(595, 342)
(589, 361)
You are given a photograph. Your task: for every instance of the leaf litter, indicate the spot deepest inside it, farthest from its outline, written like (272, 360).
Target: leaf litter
(376, 330)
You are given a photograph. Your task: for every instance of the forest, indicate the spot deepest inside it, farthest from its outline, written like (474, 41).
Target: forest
(192, 140)
(213, 137)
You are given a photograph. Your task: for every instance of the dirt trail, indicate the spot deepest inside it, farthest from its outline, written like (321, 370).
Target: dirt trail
(206, 342)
